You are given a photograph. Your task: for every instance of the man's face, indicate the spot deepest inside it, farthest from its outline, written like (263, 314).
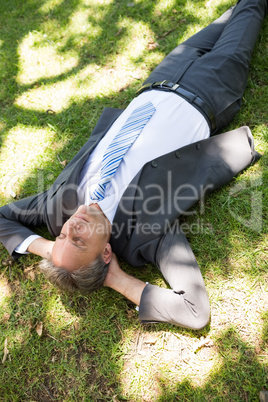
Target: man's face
(82, 239)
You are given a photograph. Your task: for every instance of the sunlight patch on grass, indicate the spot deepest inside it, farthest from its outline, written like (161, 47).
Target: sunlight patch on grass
(89, 81)
(20, 153)
(260, 133)
(200, 18)
(79, 23)
(57, 317)
(103, 2)
(210, 6)
(78, 28)
(165, 5)
(5, 291)
(39, 58)
(240, 302)
(262, 248)
(138, 40)
(49, 5)
(56, 96)
(153, 358)
(156, 356)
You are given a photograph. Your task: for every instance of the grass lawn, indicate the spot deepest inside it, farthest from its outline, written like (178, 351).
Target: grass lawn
(62, 62)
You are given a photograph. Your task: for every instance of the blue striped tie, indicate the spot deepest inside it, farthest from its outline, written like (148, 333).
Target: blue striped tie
(120, 145)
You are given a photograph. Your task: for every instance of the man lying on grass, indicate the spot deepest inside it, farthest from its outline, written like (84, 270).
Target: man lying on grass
(141, 169)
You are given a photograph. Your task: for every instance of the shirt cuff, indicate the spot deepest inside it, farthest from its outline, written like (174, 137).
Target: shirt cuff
(137, 308)
(22, 247)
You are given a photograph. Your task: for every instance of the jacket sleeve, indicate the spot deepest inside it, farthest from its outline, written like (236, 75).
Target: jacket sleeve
(186, 304)
(205, 166)
(17, 218)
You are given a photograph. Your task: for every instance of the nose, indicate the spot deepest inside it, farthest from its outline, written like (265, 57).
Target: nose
(75, 226)
(70, 227)
(82, 209)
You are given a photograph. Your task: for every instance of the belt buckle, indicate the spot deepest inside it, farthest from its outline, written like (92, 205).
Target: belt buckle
(163, 83)
(159, 84)
(175, 86)
(168, 84)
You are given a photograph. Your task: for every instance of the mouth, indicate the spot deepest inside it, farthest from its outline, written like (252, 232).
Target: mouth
(81, 217)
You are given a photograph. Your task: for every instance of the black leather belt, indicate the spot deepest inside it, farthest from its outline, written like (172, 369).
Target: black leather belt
(190, 97)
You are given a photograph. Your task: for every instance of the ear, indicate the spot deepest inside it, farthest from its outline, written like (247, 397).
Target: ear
(107, 253)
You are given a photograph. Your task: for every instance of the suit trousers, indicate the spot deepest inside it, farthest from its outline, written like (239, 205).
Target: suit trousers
(213, 64)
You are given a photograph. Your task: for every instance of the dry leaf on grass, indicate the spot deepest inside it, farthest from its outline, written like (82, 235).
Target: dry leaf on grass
(203, 342)
(152, 45)
(76, 326)
(29, 273)
(63, 163)
(9, 261)
(6, 317)
(171, 30)
(150, 339)
(119, 31)
(6, 351)
(39, 328)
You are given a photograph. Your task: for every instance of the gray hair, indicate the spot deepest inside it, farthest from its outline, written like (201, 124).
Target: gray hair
(85, 279)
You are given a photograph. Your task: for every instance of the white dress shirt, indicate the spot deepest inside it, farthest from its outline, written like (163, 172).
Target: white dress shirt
(175, 124)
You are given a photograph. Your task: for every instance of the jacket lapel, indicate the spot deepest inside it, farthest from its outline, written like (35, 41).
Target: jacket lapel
(62, 196)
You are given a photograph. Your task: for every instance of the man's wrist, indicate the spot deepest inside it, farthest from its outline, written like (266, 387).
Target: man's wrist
(41, 247)
(22, 248)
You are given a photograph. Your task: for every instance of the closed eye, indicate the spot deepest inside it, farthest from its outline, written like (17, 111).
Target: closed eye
(76, 241)
(61, 236)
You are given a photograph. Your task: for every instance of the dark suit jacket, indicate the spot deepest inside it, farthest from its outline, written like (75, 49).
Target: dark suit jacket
(143, 228)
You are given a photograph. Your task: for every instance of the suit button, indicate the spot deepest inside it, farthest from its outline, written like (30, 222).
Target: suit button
(177, 154)
(198, 146)
(154, 164)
